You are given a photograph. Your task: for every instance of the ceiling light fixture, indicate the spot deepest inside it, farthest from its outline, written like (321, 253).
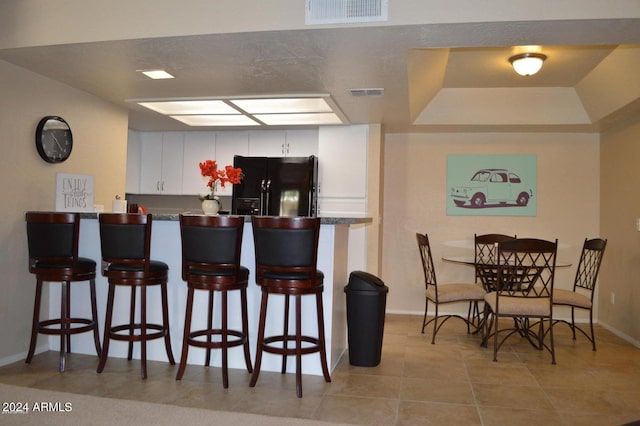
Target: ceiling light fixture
(291, 110)
(156, 74)
(527, 63)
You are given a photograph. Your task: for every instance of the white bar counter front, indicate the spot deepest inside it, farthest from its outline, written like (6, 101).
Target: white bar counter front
(166, 247)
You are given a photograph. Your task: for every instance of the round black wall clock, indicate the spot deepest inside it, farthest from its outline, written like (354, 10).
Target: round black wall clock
(54, 140)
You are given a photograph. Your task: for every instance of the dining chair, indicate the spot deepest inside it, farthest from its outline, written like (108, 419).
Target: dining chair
(486, 251)
(524, 289)
(584, 285)
(446, 293)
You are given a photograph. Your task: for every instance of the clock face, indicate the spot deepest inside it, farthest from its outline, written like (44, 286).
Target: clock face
(54, 140)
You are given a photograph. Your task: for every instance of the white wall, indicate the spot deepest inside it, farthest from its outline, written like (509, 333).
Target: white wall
(99, 148)
(415, 191)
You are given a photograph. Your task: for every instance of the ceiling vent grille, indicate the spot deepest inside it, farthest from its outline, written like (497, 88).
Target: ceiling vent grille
(345, 11)
(367, 92)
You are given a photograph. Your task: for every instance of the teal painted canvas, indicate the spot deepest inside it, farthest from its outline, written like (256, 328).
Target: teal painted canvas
(491, 185)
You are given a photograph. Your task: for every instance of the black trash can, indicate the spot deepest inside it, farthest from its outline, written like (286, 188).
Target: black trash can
(366, 302)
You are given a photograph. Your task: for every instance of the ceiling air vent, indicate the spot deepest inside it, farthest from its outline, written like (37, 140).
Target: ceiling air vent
(345, 11)
(367, 92)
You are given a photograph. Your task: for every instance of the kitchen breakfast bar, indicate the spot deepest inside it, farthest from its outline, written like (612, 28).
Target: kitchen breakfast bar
(166, 247)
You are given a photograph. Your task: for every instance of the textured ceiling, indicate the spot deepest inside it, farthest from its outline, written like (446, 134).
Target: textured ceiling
(424, 70)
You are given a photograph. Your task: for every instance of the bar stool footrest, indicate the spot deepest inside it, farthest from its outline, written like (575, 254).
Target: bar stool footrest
(268, 342)
(193, 341)
(44, 327)
(115, 332)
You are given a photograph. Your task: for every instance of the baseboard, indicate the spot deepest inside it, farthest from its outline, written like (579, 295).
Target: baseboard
(22, 355)
(621, 335)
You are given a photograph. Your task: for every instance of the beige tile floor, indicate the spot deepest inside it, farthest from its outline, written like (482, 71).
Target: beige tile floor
(452, 382)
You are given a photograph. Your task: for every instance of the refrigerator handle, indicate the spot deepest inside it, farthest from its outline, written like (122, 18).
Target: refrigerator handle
(267, 195)
(263, 189)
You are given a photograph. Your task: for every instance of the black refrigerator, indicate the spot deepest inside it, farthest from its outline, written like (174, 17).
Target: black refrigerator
(276, 186)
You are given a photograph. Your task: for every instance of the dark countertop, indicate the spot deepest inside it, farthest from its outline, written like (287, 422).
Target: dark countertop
(325, 220)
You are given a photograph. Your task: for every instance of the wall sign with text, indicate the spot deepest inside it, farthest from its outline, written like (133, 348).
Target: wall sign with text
(491, 185)
(74, 193)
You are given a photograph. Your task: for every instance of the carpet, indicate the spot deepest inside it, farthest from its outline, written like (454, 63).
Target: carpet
(53, 407)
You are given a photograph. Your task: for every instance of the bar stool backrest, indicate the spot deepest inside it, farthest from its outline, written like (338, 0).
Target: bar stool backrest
(52, 237)
(286, 245)
(211, 243)
(125, 238)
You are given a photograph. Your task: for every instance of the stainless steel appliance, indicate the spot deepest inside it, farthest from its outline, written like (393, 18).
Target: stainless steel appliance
(276, 186)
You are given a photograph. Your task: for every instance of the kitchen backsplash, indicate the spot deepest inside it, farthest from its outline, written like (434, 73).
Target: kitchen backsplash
(169, 204)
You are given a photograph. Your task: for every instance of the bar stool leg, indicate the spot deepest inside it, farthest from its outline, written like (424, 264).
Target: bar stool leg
(143, 331)
(207, 360)
(165, 323)
(64, 320)
(187, 331)
(107, 328)
(259, 345)
(132, 321)
(285, 333)
(298, 345)
(68, 317)
(35, 324)
(321, 338)
(245, 328)
(94, 315)
(224, 336)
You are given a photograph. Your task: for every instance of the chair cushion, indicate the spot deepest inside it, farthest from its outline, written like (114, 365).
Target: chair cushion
(154, 266)
(571, 298)
(519, 306)
(83, 263)
(242, 273)
(455, 292)
(292, 276)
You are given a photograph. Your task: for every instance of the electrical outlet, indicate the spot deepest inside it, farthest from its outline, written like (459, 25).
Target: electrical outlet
(613, 298)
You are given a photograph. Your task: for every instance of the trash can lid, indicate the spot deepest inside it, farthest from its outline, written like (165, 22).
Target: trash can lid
(364, 281)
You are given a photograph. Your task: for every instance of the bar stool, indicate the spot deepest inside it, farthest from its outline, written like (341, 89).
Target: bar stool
(53, 256)
(125, 240)
(211, 247)
(286, 264)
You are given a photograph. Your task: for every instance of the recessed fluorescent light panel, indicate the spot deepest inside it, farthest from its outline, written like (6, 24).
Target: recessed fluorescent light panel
(282, 105)
(325, 118)
(263, 111)
(215, 120)
(157, 74)
(190, 107)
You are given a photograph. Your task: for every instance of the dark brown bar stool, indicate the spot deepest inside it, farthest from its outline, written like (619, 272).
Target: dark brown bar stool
(53, 256)
(125, 240)
(211, 247)
(286, 264)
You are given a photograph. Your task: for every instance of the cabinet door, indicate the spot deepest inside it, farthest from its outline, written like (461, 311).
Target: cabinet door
(198, 147)
(301, 143)
(150, 162)
(267, 143)
(133, 162)
(229, 144)
(342, 161)
(172, 162)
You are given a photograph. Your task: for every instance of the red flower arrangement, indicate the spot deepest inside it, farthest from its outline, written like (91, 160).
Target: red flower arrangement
(229, 174)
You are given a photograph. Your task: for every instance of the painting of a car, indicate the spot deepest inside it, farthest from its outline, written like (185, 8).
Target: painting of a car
(492, 187)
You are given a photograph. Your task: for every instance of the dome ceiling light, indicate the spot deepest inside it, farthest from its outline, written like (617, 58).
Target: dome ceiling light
(527, 63)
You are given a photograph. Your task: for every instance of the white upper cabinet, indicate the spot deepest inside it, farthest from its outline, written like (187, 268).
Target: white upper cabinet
(281, 143)
(161, 164)
(301, 143)
(342, 158)
(133, 163)
(198, 147)
(228, 145)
